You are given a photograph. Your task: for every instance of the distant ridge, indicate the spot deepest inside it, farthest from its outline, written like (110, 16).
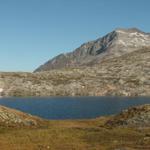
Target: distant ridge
(114, 44)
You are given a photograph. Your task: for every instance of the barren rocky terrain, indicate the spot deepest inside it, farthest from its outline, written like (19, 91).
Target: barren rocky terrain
(126, 75)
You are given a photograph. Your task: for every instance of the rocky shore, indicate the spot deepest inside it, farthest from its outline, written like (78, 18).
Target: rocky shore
(138, 116)
(14, 118)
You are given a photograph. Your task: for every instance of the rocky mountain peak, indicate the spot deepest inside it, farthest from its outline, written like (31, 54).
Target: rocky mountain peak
(114, 44)
(129, 30)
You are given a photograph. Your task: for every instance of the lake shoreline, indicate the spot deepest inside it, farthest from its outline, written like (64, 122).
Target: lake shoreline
(112, 132)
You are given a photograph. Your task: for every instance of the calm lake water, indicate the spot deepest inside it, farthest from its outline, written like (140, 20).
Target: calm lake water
(72, 107)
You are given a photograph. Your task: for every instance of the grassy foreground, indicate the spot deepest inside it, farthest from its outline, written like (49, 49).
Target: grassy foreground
(75, 135)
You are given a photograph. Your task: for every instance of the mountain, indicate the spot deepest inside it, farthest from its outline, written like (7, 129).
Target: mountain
(126, 75)
(114, 44)
(115, 65)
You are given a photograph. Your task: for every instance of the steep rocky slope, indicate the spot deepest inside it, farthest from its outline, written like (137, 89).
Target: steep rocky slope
(13, 118)
(114, 44)
(127, 75)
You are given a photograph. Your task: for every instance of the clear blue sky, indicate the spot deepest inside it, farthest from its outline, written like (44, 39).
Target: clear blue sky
(33, 31)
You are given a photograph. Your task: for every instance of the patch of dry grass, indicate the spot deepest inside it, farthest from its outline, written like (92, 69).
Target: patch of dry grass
(74, 135)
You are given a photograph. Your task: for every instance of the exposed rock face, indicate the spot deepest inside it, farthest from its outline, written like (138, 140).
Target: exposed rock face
(114, 44)
(135, 116)
(14, 118)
